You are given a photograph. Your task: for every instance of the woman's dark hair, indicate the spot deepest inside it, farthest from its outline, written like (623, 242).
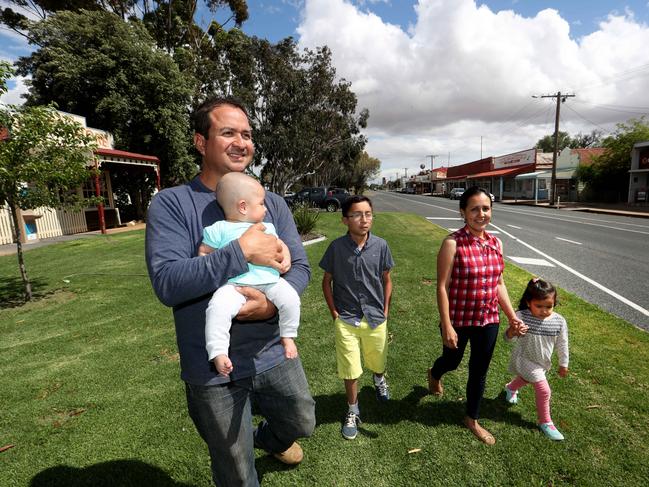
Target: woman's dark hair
(537, 289)
(201, 117)
(357, 198)
(472, 191)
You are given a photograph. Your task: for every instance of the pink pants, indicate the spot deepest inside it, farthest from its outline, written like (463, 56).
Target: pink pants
(541, 391)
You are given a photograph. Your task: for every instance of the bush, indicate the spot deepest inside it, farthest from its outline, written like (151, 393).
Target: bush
(305, 217)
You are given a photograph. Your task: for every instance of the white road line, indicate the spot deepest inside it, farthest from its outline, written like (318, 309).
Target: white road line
(514, 226)
(530, 261)
(518, 212)
(540, 215)
(442, 218)
(581, 276)
(569, 241)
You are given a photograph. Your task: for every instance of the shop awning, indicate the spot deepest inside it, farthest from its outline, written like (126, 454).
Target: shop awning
(496, 173)
(534, 175)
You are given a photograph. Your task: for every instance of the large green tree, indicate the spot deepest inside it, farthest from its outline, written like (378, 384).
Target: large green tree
(94, 64)
(304, 119)
(364, 168)
(43, 159)
(607, 178)
(579, 141)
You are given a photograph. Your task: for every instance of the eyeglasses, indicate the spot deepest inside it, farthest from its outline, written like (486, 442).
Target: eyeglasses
(357, 215)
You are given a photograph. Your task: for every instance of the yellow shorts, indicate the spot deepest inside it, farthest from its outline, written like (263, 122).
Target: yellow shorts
(349, 342)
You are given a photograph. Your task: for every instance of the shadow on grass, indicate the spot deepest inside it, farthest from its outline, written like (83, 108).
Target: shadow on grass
(332, 408)
(12, 291)
(109, 474)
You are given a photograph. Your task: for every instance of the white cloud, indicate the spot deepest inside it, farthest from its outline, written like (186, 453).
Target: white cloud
(17, 88)
(462, 71)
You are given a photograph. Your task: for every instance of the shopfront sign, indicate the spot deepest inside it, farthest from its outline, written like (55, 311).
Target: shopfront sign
(516, 159)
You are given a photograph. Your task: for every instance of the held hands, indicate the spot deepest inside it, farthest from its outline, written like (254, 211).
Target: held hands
(516, 327)
(223, 364)
(290, 350)
(563, 371)
(260, 248)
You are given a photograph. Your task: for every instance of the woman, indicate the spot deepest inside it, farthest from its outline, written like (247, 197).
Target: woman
(470, 287)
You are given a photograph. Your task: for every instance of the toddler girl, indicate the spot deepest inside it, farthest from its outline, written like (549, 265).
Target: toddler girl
(532, 354)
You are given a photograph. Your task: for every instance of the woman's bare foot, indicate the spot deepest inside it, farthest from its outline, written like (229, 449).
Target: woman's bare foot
(435, 386)
(482, 434)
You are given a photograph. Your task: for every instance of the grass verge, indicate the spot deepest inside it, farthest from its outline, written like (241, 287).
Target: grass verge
(91, 394)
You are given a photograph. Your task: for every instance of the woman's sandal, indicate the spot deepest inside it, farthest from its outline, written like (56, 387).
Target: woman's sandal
(482, 434)
(435, 386)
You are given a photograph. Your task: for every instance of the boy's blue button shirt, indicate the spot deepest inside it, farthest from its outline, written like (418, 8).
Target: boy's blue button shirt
(180, 279)
(358, 278)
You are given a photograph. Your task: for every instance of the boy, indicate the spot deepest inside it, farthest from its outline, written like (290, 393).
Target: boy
(357, 288)
(242, 200)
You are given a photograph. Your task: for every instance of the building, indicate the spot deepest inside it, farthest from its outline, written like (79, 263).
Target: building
(48, 222)
(639, 174)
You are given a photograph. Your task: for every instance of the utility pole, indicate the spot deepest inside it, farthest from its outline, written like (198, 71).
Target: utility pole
(553, 182)
(432, 163)
(405, 169)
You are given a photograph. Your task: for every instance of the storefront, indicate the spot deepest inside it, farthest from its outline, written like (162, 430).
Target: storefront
(639, 174)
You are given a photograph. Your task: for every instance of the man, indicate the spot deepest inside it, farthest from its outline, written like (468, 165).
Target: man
(220, 406)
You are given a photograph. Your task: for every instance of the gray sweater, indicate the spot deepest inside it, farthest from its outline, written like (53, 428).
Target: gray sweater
(184, 281)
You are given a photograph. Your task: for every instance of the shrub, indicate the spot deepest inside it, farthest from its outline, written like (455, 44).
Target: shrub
(305, 217)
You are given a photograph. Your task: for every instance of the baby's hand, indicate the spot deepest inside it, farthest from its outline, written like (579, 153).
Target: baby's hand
(563, 371)
(223, 364)
(290, 350)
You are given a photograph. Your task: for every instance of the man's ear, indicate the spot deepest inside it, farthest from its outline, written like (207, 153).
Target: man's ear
(199, 143)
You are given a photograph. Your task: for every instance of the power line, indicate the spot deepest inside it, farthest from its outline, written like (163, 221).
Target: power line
(619, 108)
(589, 121)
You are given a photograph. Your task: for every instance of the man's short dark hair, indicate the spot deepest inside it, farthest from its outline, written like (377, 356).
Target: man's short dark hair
(352, 200)
(201, 116)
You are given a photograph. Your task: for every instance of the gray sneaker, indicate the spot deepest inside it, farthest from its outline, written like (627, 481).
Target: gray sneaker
(382, 391)
(350, 425)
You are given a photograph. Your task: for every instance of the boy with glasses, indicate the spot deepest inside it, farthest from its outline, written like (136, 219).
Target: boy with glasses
(357, 288)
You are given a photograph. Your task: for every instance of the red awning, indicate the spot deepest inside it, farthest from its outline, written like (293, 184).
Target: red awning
(130, 155)
(501, 172)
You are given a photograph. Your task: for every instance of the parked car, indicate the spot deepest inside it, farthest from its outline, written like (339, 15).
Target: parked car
(456, 193)
(327, 198)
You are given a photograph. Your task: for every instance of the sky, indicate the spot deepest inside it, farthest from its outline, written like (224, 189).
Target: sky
(455, 79)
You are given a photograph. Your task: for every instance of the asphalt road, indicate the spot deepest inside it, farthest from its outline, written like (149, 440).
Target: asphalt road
(604, 259)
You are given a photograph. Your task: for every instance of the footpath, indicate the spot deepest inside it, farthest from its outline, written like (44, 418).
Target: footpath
(10, 249)
(620, 209)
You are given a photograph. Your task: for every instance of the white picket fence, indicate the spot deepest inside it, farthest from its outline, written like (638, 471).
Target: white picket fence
(52, 223)
(6, 226)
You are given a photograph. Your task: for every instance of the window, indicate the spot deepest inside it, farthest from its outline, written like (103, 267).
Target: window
(89, 188)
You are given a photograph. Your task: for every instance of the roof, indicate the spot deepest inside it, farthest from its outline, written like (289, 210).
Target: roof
(501, 172)
(586, 155)
(126, 155)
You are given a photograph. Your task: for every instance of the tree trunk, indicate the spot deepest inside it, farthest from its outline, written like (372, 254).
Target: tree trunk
(19, 252)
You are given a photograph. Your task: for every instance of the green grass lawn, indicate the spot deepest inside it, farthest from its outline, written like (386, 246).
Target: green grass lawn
(90, 391)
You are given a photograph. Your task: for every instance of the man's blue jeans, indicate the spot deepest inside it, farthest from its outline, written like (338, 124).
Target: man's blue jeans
(223, 417)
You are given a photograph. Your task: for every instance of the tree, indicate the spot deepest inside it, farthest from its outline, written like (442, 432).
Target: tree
(304, 120)
(364, 169)
(584, 141)
(579, 141)
(43, 159)
(96, 65)
(607, 178)
(546, 144)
